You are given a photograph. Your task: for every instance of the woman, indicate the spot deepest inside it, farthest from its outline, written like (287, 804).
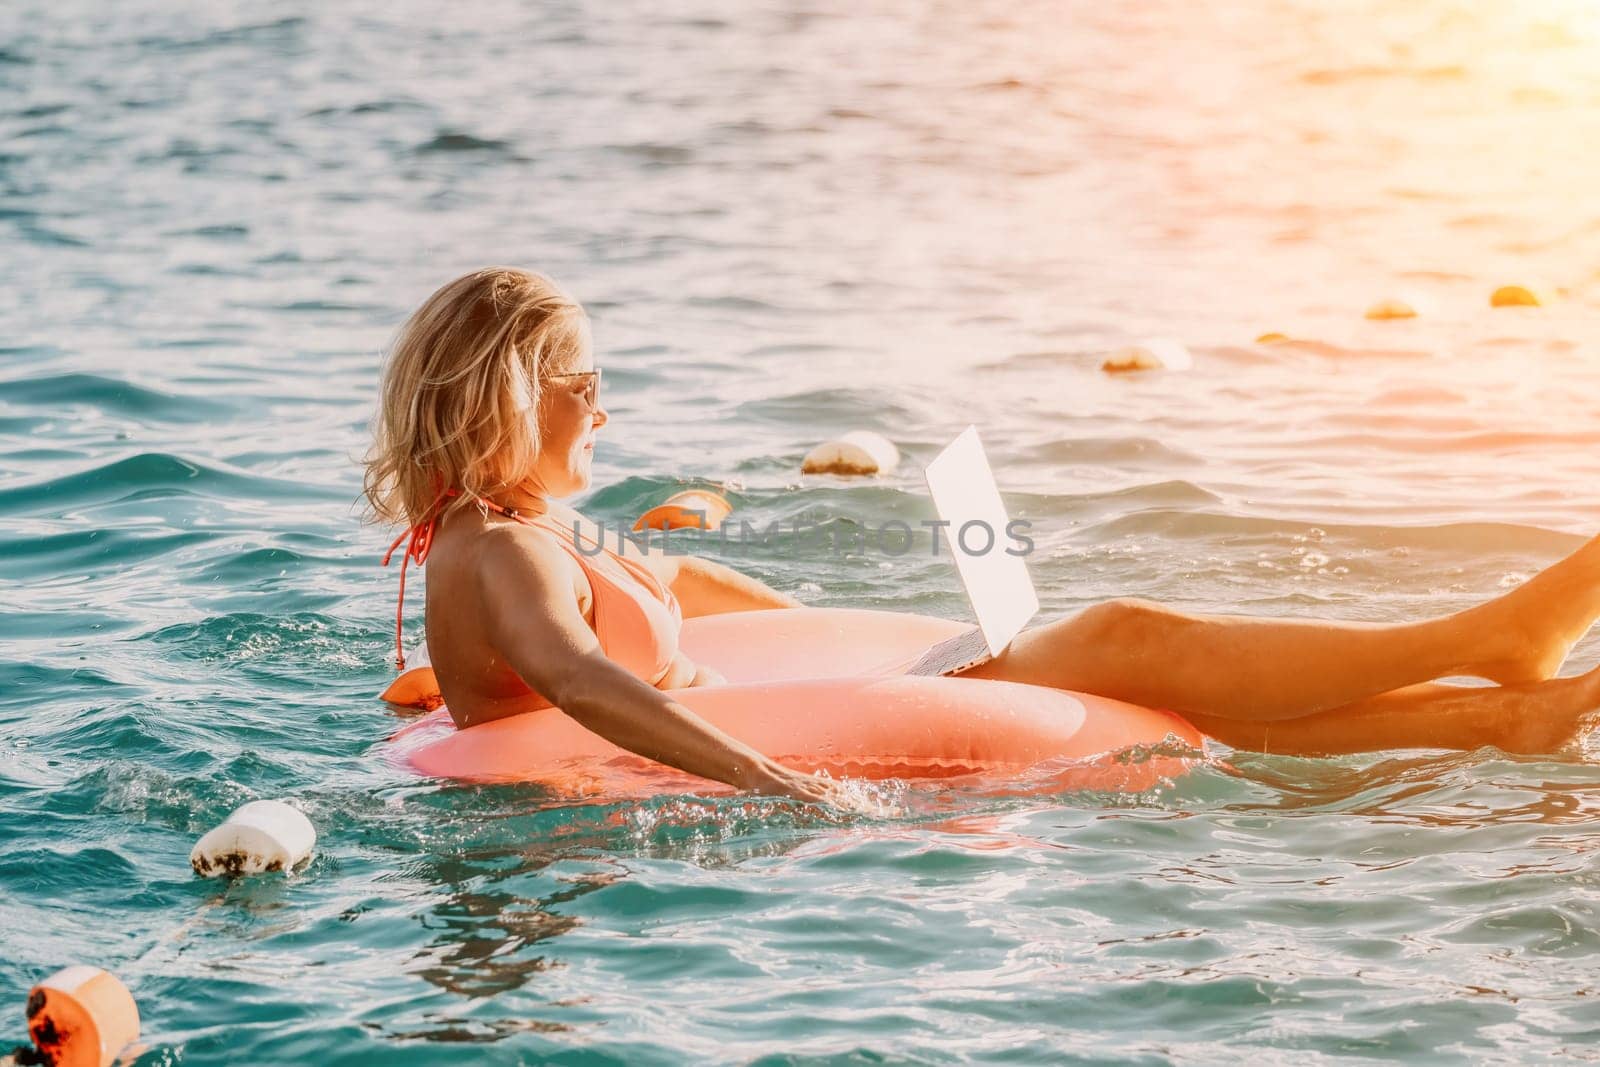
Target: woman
(489, 414)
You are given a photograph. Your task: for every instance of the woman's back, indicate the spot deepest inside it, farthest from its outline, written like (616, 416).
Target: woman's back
(635, 618)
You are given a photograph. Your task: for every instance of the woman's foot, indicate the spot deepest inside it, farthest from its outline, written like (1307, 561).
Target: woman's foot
(1555, 715)
(1532, 628)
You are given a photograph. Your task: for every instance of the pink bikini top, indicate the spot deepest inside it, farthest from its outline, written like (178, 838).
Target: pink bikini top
(636, 618)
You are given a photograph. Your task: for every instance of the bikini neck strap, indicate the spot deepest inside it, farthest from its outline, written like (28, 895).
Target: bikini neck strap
(514, 514)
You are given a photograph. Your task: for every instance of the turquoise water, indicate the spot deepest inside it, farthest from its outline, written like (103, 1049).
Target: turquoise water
(790, 221)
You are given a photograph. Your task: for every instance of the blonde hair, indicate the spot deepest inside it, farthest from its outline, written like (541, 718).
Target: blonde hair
(458, 387)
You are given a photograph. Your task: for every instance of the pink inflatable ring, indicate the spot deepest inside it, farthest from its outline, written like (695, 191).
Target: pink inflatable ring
(807, 686)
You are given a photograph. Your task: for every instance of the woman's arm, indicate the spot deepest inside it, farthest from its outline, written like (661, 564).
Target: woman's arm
(706, 587)
(533, 621)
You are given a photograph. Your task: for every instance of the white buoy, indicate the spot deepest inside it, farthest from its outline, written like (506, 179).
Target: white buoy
(263, 835)
(1157, 354)
(857, 452)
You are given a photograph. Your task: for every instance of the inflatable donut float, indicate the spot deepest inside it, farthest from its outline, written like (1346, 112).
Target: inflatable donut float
(809, 687)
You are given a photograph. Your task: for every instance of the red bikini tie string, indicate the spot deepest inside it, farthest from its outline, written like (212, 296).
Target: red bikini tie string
(421, 536)
(421, 541)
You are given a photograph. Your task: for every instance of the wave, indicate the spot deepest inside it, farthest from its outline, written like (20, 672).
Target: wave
(281, 31)
(447, 141)
(293, 649)
(22, 683)
(827, 411)
(152, 473)
(1486, 441)
(109, 394)
(76, 550)
(52, 871)
(654, 154)
(1466, 538)
(1143, 451)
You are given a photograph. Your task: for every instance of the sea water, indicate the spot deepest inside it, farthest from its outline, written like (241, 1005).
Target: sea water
(789, 220)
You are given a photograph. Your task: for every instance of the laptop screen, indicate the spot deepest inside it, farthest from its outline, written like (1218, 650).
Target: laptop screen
(997, 583)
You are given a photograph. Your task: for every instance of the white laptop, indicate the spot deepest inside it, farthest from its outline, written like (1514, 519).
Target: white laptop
(997, 583)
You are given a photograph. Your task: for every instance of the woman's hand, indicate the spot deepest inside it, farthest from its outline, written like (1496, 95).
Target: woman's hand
(776, 779)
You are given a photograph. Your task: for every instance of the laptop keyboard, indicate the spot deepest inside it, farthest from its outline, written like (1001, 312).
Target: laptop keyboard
(953, 653)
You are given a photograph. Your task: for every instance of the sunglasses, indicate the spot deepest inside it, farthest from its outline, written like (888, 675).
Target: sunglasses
(591, 387)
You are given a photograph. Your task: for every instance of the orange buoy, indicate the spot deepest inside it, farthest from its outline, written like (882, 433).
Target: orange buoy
(1391, 309)
(1272, 338)
(692, 509)
(1158, 354)
(82, 1017)
(1516, 296)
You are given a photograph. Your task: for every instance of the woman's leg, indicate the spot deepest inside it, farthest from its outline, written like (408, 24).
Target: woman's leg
(1535, 717)
(1247, 668)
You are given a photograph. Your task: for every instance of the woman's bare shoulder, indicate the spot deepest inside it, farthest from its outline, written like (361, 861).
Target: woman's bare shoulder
(587, 533)
(505, 553)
